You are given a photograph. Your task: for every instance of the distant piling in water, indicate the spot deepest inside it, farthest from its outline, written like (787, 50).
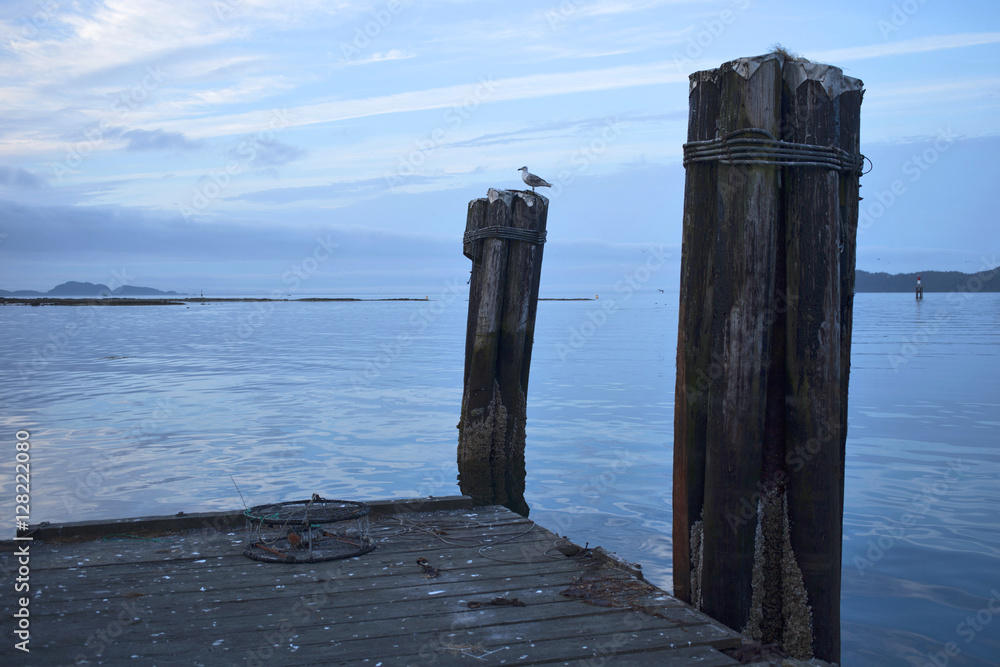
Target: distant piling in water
(504, 234)
(920, 289)
(763, 354)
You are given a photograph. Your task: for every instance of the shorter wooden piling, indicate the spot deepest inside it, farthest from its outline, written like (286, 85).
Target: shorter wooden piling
(503, 238)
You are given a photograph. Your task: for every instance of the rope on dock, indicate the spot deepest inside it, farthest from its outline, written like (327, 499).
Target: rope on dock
(411, 528)
(122, 537)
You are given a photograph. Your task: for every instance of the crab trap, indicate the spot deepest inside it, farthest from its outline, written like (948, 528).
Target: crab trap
(307, 531)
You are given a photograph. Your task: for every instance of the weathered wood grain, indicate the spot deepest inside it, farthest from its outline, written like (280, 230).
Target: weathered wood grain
(743, 282)
(193, 598)
(694, 353)
(503, 295)
(763, 359)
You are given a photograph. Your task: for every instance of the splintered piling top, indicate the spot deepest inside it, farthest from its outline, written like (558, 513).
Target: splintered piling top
(795, 71)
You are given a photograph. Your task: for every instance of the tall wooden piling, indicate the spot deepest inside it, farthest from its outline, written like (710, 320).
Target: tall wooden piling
(763, 354)
(503, 238)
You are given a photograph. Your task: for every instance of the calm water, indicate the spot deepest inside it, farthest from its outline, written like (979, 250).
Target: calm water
(148, 410)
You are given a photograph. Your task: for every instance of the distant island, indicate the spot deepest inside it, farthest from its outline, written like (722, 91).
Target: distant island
(74, 293)
(932, 281)
(865, 281)
(74, 288)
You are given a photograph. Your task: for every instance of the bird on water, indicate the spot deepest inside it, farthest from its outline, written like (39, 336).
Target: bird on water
(532, 180)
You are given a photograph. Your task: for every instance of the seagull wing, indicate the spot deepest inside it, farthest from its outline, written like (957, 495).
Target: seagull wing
(536, 182)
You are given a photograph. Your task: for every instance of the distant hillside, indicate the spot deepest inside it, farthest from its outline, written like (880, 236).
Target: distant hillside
(132, 290)
(933, 281)
(74, 288)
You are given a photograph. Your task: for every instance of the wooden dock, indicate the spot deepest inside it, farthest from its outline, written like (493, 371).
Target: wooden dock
(447, 584)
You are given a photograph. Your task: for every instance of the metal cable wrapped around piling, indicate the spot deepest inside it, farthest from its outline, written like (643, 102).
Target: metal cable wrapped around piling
(732, 149)
(529, 235)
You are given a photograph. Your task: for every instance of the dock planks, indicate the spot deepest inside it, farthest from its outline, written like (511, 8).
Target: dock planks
(494, 590)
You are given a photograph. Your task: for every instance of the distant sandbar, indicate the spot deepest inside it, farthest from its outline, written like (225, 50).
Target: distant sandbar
(113, 301)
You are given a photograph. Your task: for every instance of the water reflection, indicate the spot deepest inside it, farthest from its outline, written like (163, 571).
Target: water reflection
(312, 401)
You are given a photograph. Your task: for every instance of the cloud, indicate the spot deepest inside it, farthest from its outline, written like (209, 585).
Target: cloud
(391, 54)
(328, 191)
(45, 245)
(480, 92)
(270, 155)
(277, 154)
(157, 140)
(57, 234)
(570, 127)
(15, 177)
(917, 45)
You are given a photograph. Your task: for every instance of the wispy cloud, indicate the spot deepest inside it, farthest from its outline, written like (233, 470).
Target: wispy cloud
(154, 140)
(391, 54)
(117, 33)
(269, 155)
(114, 110)
(941, 92)
(916, 45)
(604, 8)
(16, 177)
(327, 191)
(497, 90)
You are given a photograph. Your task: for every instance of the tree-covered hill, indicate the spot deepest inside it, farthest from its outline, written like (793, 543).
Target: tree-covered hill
(933, 281)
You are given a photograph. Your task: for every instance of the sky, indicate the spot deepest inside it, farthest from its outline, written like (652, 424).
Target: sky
(326, 147)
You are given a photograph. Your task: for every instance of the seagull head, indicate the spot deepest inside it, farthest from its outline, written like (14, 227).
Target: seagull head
(523, 169)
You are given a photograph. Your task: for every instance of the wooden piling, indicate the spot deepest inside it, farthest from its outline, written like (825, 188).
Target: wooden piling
(503, 238)
(763, 355)
(695, 323)
(744, 249)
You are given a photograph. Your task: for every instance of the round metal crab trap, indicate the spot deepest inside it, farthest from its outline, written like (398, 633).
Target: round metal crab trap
(307, 531)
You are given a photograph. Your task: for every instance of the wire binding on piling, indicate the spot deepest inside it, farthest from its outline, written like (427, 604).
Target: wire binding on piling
(529, 235)
(732, 149)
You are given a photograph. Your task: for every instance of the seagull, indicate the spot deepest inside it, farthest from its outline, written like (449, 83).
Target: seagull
(532, 180)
